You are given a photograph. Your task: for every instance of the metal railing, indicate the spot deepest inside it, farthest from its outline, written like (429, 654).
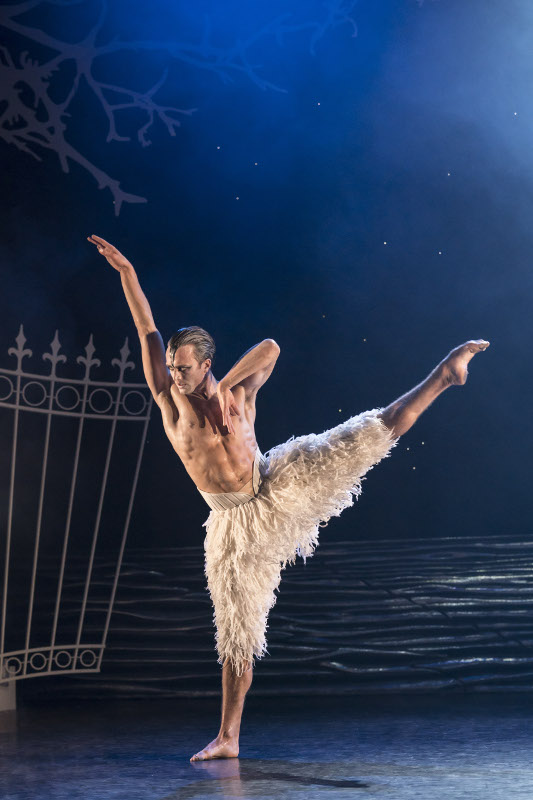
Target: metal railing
(80, 399)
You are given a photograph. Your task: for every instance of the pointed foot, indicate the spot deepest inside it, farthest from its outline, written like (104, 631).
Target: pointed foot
(455, 365)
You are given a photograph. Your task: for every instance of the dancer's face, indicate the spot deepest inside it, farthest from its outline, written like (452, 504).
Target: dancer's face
(186, 372)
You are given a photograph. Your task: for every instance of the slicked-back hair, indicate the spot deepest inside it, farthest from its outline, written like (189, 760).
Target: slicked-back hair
(202, 342)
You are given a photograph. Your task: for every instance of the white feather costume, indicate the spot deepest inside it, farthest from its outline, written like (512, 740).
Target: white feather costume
(305, 481)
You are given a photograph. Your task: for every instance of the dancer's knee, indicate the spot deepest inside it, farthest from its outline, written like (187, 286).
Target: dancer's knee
(389, 416)
(399, 419)
(245, 669)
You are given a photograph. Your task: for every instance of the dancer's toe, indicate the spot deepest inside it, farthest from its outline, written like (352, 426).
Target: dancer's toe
(454, 367)
(476, 345)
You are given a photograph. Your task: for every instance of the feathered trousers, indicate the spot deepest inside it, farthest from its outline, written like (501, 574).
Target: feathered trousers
(305, 481)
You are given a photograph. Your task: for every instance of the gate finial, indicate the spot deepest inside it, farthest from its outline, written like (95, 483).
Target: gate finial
(19, 350)
(53, 357)
(88, 359)
(123, 364)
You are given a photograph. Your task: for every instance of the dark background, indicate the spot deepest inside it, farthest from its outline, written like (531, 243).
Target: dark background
(354, 137)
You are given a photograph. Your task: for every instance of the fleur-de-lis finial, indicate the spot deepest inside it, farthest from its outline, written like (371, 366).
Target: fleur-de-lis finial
(88, 359)
(123, 364)
(19, 350)
(53, 357)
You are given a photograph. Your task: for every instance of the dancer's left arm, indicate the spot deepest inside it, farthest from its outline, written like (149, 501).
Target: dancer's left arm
(251, 371)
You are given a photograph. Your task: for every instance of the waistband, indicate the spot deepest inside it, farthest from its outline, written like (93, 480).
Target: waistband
(223, 501)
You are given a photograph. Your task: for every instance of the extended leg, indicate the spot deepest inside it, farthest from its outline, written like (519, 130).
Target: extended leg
(234, 690)
(404, 412)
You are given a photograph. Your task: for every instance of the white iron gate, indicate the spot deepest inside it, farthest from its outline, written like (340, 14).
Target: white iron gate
(81, 399)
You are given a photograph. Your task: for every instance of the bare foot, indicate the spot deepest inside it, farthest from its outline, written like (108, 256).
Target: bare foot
(218, 748)
(454, 367)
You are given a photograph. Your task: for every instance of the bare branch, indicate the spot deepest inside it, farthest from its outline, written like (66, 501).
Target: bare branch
(41, 122)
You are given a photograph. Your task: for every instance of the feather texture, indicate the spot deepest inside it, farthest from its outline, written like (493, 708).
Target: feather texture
(306, 481)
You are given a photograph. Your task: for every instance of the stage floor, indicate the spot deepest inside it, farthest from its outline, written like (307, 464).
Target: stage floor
(424, 746)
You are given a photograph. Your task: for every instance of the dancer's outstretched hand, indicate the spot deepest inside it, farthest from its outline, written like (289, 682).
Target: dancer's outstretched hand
(114, 256)
(228, 405)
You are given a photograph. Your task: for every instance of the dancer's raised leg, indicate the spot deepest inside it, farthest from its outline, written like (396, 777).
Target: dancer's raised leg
(234, 690)
(452, 371)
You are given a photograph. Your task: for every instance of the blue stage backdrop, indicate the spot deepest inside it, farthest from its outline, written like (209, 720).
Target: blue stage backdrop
(352, 179)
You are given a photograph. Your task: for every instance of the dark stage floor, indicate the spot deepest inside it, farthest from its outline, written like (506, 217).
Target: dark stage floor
(428, 746)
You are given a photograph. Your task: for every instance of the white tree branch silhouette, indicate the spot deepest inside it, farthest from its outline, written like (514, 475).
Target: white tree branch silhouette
(31, 120)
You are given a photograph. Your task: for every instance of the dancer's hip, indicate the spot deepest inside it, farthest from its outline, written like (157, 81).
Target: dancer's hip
(224, 501)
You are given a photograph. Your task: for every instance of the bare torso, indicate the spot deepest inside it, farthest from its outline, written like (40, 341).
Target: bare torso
(215, 460)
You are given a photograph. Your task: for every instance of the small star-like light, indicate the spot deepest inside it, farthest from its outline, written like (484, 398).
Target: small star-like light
(255, 163)
(384, 242)
(218, 147)
(449, 173)
(340, 409)
(407, 448)
(515, 113)
(323, 316)
(440, 252)
(318, 104)
(422, 442)
(237, 198)
(414, 467)
(364, 340)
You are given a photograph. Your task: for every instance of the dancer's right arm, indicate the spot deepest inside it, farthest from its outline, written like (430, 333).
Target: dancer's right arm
(153, 350)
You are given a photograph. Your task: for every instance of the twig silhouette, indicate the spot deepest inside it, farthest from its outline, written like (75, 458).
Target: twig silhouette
(32, 119)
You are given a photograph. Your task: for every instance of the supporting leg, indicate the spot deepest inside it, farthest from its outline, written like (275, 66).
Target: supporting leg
(404, 412)
(234, 690)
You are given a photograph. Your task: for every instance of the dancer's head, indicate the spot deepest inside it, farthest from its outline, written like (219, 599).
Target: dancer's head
(190, 353)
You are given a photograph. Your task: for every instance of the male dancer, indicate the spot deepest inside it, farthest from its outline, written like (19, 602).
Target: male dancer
(265, 509)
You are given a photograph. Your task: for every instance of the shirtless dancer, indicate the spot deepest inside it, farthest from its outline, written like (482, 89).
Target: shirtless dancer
(265, 510)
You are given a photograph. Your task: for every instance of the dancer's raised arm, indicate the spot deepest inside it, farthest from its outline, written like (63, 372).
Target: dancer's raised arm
(251, 371)
(153, 349)
(254, 367)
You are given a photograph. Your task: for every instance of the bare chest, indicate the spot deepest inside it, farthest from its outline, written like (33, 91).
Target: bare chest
(215, 459)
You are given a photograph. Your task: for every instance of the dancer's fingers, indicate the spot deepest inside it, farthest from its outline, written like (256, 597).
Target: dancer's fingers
(99, 247)
(102, 241)
(229, 424)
